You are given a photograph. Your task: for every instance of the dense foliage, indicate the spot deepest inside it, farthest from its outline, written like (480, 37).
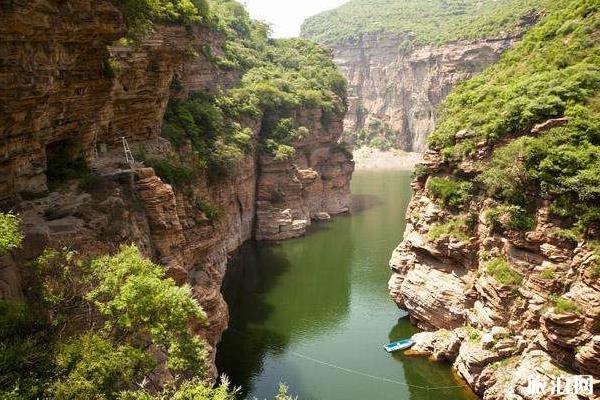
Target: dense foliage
(279, 77)
(91, 330)
(554, 72)
(101, 329)
(140, 15)
(426, 21)
(10, 235)
(450, 193)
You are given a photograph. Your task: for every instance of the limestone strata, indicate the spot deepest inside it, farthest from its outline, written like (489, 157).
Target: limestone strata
(496, 334)
(396, 86)
(63, 78)
(311, 185)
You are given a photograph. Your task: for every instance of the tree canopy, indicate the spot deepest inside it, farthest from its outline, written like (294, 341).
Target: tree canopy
(424, 21)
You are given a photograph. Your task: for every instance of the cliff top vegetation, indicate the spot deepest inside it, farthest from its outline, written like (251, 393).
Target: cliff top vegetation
(551, 77)
(427, 21)
(278, 77)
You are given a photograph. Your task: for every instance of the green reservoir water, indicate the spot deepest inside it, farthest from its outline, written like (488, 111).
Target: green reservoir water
(314, 312)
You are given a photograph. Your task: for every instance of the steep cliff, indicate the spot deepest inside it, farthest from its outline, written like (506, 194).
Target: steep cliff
(394, 94)
(500, 254)
(73, 87)
(401, 59)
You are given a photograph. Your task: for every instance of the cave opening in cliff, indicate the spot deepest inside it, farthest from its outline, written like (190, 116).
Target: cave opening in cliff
(64, 161)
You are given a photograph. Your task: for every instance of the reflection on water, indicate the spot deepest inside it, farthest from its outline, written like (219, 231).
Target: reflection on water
(309, 311)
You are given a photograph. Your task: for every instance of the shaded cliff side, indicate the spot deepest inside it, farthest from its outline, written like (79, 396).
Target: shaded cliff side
(72, 87)
(500, 258)
(401, 59)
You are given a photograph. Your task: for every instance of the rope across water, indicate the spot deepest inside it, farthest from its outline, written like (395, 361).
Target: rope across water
(361, 373)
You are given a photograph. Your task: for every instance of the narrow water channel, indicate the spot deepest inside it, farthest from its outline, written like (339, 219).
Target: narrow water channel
(314, 312)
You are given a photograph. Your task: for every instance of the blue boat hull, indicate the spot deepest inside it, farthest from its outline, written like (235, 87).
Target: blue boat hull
(399, 345)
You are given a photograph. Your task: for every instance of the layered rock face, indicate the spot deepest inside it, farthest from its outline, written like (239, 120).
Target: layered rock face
(498, 333)
(394, 88)
(66, 86)
(311, 185)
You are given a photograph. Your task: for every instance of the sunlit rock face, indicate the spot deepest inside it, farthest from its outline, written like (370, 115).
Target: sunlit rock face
(497, 334)
(396, 88)
(312, 184)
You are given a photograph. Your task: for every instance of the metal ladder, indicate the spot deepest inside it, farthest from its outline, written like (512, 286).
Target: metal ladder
(128, 154)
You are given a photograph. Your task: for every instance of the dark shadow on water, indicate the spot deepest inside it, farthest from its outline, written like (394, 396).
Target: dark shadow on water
(364, 202)
(310, 295)
(245, 342)
(250, 289)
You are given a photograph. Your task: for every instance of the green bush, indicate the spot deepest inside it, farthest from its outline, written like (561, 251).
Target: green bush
(421, 171)
(173, 172)
(280, 152)
(140, 15)
(380, 143)
(553, 72)
(505, 176)
(93, 329)
(502, 272)
(509, 217)
(473, 334)
(456, 227)
(570, 235)
(547, 274)
(279, 78)
(563, 305)
(10, 234)
(89, 366)
(112, 68)
(211, 212)
(451, 193)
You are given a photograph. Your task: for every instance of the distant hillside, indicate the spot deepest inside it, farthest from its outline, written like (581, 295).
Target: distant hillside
(431, 21)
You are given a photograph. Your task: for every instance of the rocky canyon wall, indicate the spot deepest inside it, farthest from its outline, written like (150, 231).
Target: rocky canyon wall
(498, 330)
(394, 86)
(64, 81)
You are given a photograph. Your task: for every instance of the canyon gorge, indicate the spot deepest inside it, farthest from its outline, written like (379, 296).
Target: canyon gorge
(396, 81)
(182, 129)
(503, 284)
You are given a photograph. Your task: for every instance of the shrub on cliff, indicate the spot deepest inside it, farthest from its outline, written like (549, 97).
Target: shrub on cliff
(451, 193)
(279, 78)
(141, 14)
(502, 272)
(97, 326)
(506, 217)
(99, 329)
(459, 228)
(10, 235)
(564, 305)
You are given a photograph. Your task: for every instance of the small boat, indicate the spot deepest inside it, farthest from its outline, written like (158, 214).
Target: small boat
(399, 345)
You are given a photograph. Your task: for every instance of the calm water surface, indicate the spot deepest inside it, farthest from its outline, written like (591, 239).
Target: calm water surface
(314, 312)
